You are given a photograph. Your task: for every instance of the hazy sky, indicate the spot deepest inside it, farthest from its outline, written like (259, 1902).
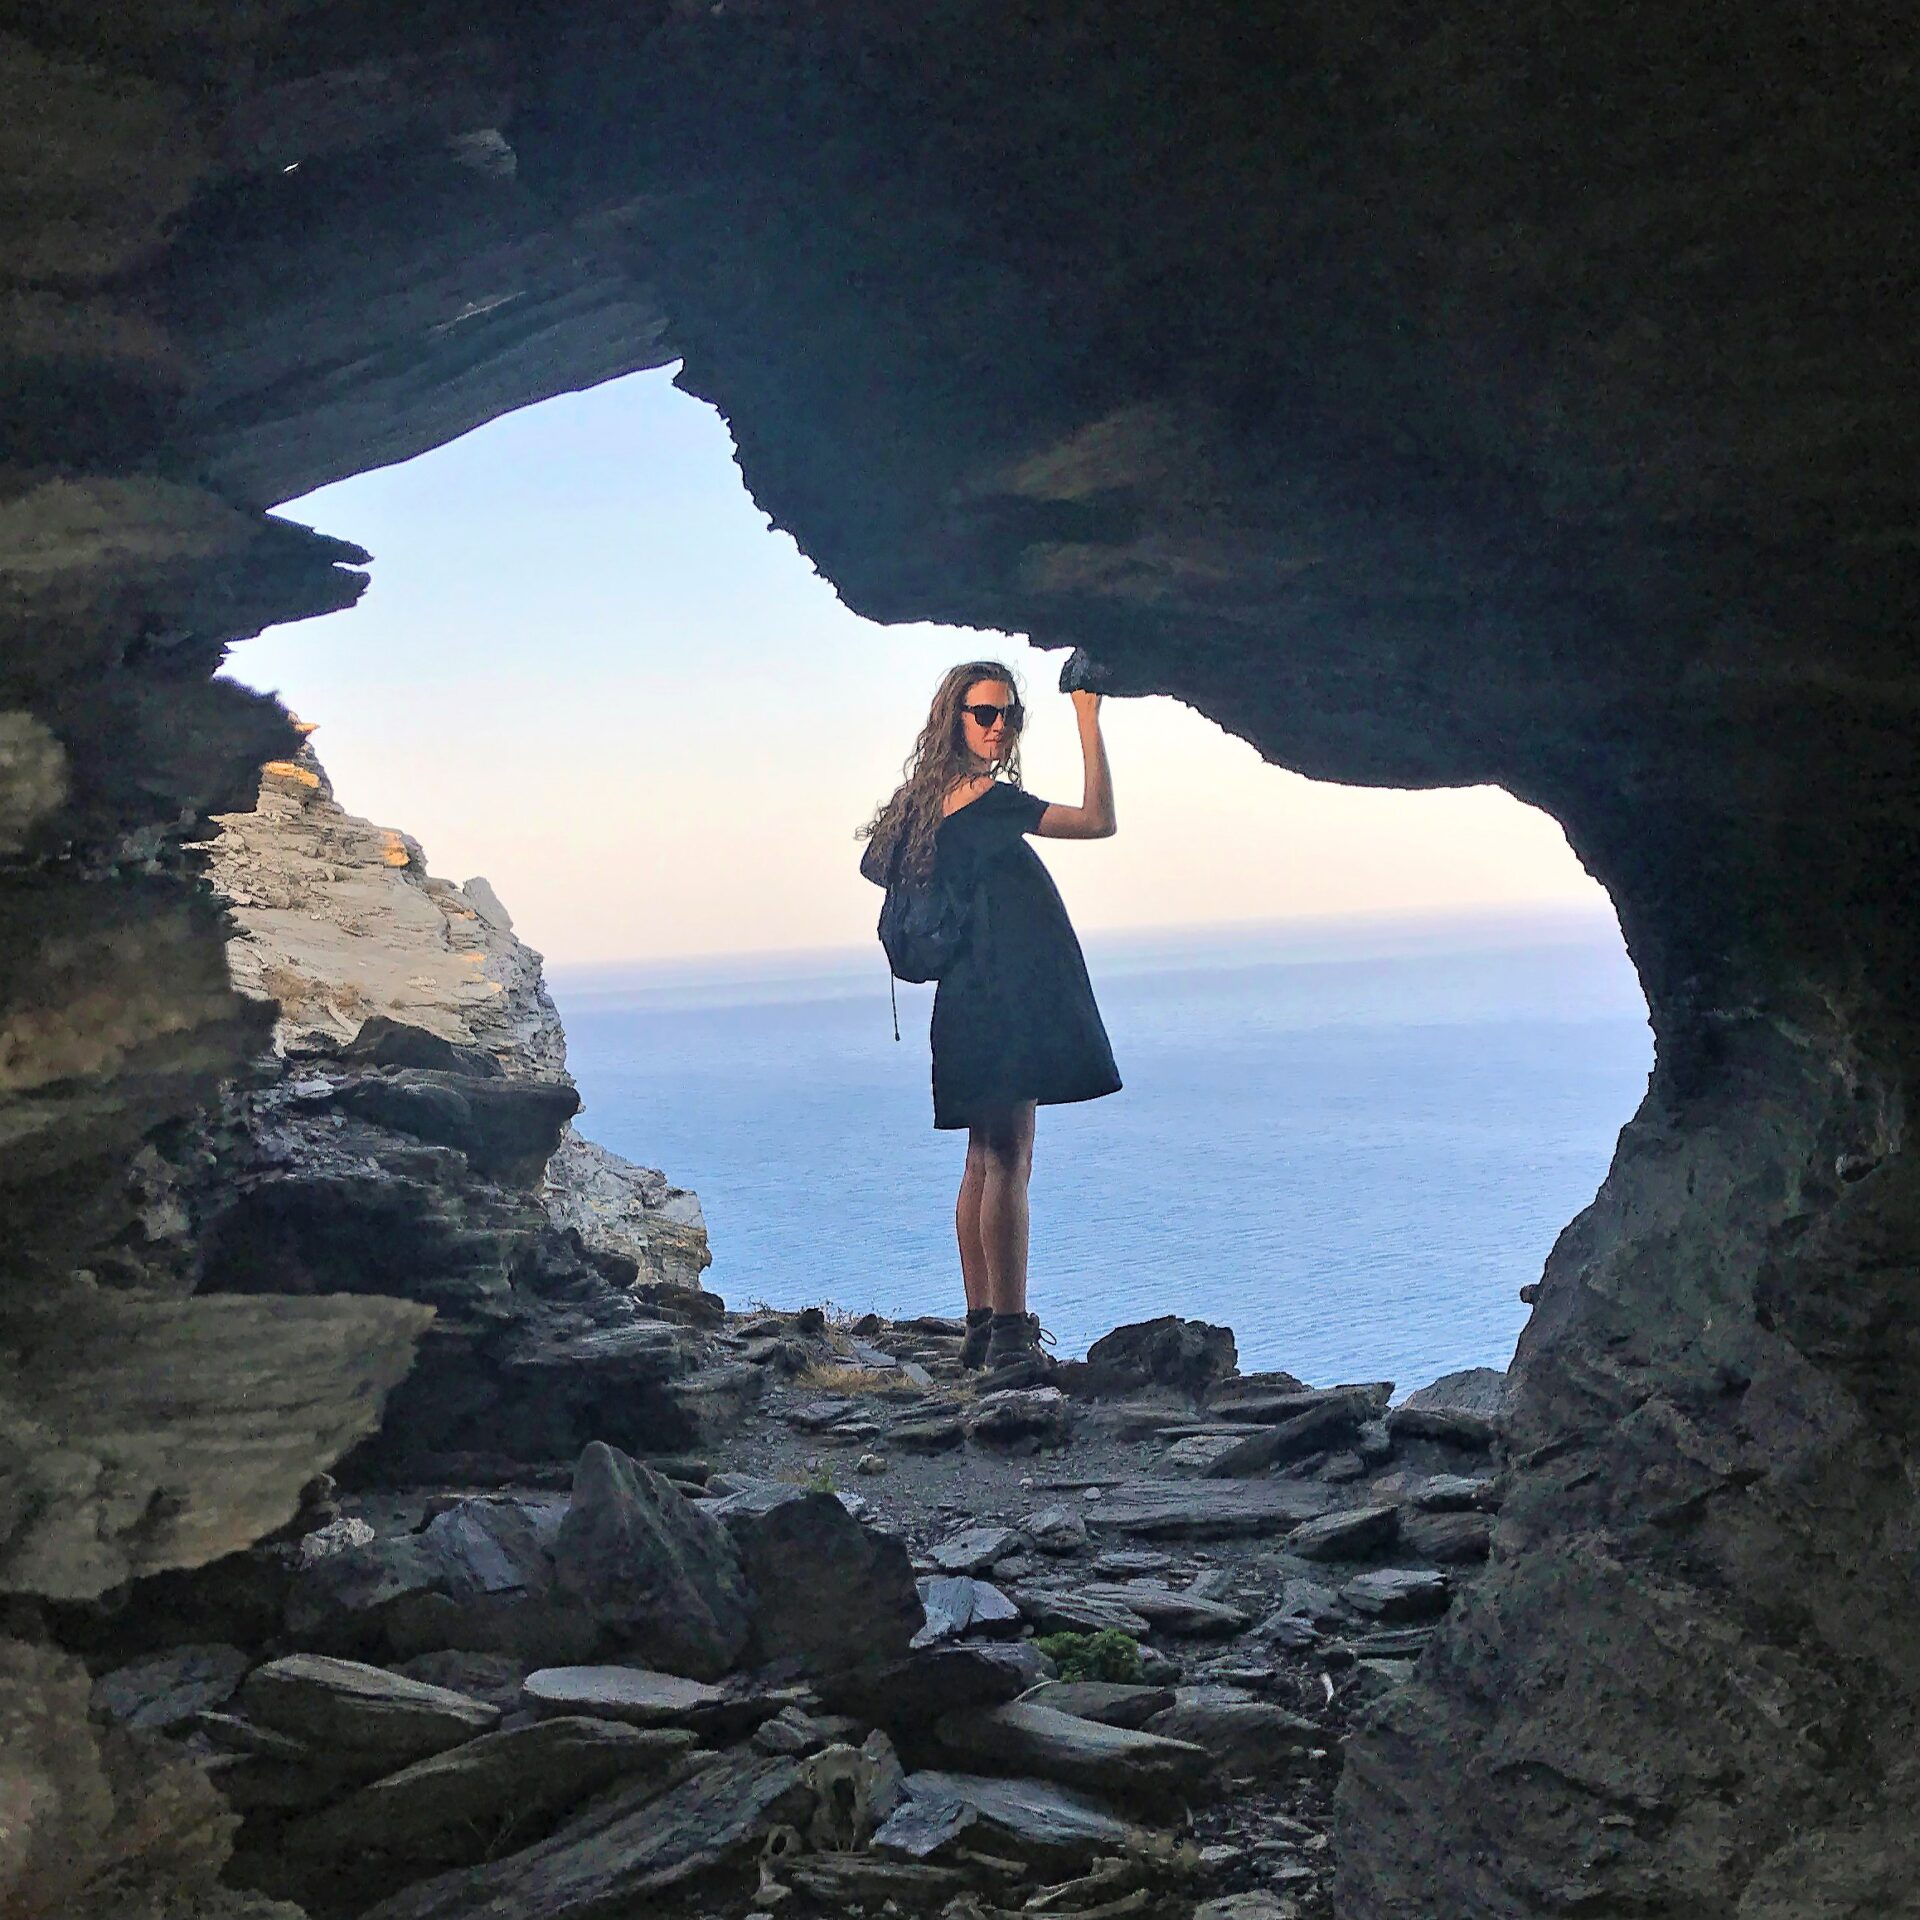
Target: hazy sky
(587, 669)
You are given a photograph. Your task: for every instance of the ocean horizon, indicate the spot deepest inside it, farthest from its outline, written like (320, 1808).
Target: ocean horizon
(1350, 1140)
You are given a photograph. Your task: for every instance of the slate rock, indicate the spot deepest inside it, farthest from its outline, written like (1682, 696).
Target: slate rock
(1477, 1390)
(1308, 1600)
(1458, 1493)
(1034, 1820)
(660, 1576)
(1209, 1509)
(956, 1605)
(1074, 1611)
(454, 1808)
(917, 1690)
(358, 1709)
(1451, 1539)
(1398, 1593)
(1017, 1416)
(975, 1549)
(491, 1677)
(1247, 1737)
(934, 1433)
(1113, 1703)
(639, 1697)
(1028, 1739)
(1454, 1426)
(1353, 1534)
(1327, 1422)
(828, 1591)
(625, 1847)
(1059, 1530)
(163, 1692)
(1186, 1355)
(1169, 1610)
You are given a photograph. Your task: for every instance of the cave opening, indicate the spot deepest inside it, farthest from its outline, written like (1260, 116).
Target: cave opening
(1379, 1041)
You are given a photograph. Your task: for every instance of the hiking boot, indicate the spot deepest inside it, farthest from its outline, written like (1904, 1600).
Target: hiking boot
(973, 1349)
(1014, 1345)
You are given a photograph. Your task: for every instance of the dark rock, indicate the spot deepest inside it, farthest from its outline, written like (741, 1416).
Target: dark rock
(1185, 1355)
(1481, 1390)
(828, 1591)
(508, 1129)
(1398, 1593)
(164, 1692)
(1454, 1426)
(1330, 1420)
(1452, 1539)
(491, 1677)
(1060, 1531)
(1051, 1826)
(1246, 1737)
(1028, 1739)
(1113, 1703)
(1354, 1534)
(357, 1709)
(661, 1576)
(1072, 1610)
(384, 1042)
(457, 1807)
(1020, 1416)
(1309, 1600)
(929, 1682)
(1267, 1400)
(1208, 1509)
(934, 1434)
(628, 1847)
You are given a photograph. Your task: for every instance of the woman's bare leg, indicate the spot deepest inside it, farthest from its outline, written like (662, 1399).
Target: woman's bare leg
(1008, 1160)
(966, 1224)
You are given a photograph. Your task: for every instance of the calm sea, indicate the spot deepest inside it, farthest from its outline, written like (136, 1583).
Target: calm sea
(1351, 1143)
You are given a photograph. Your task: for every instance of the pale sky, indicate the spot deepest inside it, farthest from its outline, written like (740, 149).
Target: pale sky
(588, 669)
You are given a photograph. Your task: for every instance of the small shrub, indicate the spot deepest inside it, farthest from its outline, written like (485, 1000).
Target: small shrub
(833, 1377)
(1106, 1655)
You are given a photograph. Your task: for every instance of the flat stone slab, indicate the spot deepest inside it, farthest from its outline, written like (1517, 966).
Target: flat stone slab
(957, 1605)
(1452, 1539)
(1042, 1822)
(1075, 1612)
(639, 1697)
(1209, 1509)
(1330, 1421)
(1113, 1703)
(167, 1689)
(1170, 1610)
(1247, 1737)
(1024, 1738)
(975, 1549)
(452, 1809)
(1455, 1426)
(1351, 1535)
(344, 1705)
(625, 1846)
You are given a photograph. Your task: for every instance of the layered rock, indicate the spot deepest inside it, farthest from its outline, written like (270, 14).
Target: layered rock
(1484, 403)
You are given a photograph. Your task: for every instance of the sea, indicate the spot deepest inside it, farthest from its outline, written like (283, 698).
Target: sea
(1352, 1142)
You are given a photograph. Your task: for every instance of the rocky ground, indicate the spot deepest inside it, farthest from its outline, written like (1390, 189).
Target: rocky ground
(816, 1664)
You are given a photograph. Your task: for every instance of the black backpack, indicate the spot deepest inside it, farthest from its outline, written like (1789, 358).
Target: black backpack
(923, 923)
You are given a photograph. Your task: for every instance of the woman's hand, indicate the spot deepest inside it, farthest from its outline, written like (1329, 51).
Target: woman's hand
(1086, 705)
(1093, 818)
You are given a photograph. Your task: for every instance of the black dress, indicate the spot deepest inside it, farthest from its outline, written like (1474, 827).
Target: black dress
(1013, 1017)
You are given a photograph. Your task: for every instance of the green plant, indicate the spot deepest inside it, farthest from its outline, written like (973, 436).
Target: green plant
(1106, 1655)
(821, 1480)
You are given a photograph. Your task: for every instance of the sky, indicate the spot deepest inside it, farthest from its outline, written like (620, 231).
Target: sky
(589, 669)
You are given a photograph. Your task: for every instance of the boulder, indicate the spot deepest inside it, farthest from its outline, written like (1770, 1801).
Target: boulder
(828, 1591)
(1328, 1422)
(1209, 1509)
(385, 1042)
(1350, 1535)
(1057, 1530)
(1026, 1738)
(457, 1806)
(162, 1693)
(508, 1129)
(356, 1709)
(916, 1691)
(1076, 1611)
(624, 1849)
(1185, 1355)
(1478, 1390)
(662, 1577)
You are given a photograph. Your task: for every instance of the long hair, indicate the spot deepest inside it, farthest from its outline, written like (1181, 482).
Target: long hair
(938, 761)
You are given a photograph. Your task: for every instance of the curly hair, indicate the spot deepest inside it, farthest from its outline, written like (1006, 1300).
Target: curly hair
(939, 760)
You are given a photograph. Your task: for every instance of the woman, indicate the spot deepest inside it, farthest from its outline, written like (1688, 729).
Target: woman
(1014, 1021)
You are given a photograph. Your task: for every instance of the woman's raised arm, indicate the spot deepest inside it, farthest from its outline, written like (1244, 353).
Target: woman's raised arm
(1093, 818)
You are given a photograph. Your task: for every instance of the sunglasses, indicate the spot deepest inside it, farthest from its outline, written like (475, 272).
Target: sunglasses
(984, 715)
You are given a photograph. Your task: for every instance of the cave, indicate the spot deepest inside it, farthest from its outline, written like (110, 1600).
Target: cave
(1521, 399)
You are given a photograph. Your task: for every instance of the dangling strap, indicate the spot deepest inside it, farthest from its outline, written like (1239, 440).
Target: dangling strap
(893, 995)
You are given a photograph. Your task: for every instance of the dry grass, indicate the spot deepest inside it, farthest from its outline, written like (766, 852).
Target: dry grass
(831, 1377)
